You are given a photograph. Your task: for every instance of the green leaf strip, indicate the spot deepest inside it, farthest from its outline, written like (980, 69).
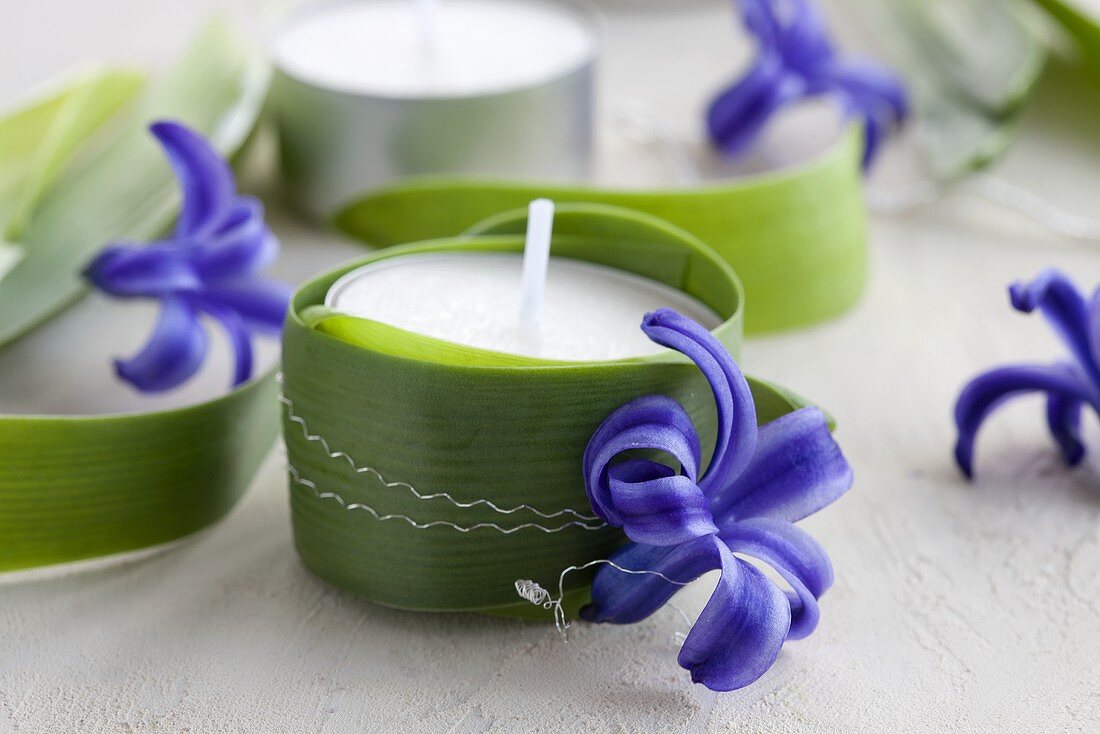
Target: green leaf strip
(796, 237)
(1082, 24)
(74, 488)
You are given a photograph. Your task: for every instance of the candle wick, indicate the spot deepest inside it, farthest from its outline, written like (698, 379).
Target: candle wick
(536, 262)
(427, 11)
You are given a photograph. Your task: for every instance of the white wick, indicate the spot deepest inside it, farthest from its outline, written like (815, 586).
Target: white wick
(536, 261)
(427, 11)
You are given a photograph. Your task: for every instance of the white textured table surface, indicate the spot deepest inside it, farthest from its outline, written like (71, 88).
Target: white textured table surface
(957, 606)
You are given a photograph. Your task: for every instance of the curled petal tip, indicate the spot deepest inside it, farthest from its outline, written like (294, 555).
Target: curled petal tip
(736, 439)
(1053, 283)
(173, 354)
(93, 272)
(659, 317)
(964, 457)
(1075, 455)
(1018, 297)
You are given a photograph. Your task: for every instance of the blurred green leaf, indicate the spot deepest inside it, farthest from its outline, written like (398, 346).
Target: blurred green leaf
(970, 65)
(38, 142)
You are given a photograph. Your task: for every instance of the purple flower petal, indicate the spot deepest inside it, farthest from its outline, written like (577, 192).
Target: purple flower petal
(173, 354)
(797, 557)
(987, 392)
(1065, 308)
(205, 178)
(658, 506)
(242, 246)
(1064, 420)
(1094, 326)
(654, 422)
(619, 597)
(736, 440)
(741, 630)
(260, 303)
(151, 270)
(804, 38)
(737, 116)
(871, 87)
(238, 341)
(759, 20)
(798, 469)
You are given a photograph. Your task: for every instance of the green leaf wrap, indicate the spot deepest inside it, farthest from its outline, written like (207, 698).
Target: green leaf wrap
(797, 237)
(410, 411)
(79, 487)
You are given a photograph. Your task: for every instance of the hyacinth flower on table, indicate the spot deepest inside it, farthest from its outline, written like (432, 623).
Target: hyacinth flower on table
(683, 523)
(797, 60)
(210, 265)
(1069, 385)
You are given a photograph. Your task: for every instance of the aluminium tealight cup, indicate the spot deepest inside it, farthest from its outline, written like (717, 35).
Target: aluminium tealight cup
(336, 143)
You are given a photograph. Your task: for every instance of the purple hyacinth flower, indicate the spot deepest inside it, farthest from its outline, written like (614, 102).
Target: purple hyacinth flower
(683, 524)
(796, 60)
(1068, 385)
(208, 267)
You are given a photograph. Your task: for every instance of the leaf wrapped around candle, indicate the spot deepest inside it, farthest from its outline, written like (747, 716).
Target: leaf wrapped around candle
(377, 417)
(76, 487)
(796, 237)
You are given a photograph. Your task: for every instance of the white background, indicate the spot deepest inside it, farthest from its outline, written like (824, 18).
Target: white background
(957, 606)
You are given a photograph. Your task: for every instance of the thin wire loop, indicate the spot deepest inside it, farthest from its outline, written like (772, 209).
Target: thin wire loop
(344, 456)
(539, 596)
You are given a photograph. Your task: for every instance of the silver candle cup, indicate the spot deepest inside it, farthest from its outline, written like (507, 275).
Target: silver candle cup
(336, 144)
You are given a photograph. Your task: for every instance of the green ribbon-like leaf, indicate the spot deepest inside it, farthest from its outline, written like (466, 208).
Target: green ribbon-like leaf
(1081, 24)
(38, 142)
(374, 415)
(79, 487)
(969, 64)
(797, 237)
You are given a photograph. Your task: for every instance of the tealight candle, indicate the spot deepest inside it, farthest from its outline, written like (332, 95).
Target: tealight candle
(370, 91)
(530, 305)
(429, 474)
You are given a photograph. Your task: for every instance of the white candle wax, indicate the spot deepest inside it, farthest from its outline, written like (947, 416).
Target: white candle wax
(589, 312)
(377, 47)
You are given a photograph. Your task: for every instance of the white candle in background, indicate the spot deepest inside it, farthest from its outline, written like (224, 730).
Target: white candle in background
(589, 312)
(377, 47)
(370, 91)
